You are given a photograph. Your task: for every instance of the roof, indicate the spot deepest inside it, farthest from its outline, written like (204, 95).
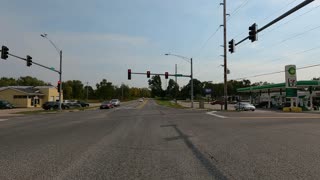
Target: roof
(277, 87)
(29, 90)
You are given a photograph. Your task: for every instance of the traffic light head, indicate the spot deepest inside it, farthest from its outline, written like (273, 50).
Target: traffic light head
(59, 86)
(4, 52)
(166, 75)
(29, 60)
(129, 74)
(232, 46)
(253, 32)
(148, 74)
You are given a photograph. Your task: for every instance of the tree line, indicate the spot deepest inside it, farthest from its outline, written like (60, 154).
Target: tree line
(173, 91)
(75, 89)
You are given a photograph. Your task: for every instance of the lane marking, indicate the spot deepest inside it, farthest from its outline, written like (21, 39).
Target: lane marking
(278, 117)
(3, 120)
(212, 113)
(142, 105)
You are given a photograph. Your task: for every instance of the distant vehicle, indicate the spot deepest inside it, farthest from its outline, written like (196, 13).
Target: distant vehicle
(83, 104)
(5, 105)
(217, 102)
(106, 105)
(51, 105)
(72, 103)
(115, 102)
(141, 100)
(244, 106)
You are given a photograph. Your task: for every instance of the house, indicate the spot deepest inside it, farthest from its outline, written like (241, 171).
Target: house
(29, 96)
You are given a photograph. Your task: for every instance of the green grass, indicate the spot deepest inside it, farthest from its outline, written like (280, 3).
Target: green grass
(167, 103)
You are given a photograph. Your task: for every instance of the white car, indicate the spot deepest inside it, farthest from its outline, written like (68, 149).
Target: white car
(140, 100)
(115, 102)
(244, 106)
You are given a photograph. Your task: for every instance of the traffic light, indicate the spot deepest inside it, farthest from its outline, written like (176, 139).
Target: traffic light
(59, 86)
(129, 74)
(232, 46)
(253, 31)
(4, 52)
(148, 74)
(29, 60)
(166, 75)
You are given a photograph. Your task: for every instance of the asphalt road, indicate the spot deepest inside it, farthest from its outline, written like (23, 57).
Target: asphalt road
(147, 141)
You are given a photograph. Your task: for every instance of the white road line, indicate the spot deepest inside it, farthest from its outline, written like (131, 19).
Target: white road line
(3, 120)
(212, 113)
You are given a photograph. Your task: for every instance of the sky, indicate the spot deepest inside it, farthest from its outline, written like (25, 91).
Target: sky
(102, 39)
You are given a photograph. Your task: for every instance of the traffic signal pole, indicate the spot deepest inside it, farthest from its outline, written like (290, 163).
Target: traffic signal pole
(60, 79)
(225, 55)
(299, 6)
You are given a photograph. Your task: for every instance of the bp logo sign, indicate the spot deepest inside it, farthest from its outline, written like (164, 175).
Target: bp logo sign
(292, 71)
(291, 76)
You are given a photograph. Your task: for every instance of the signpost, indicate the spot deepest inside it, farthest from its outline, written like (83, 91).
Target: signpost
(291, 83)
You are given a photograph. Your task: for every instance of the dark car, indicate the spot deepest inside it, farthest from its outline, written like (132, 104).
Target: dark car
(51, 105)
(83, 104)
(106, 105)
(5, 105)
(217, 102)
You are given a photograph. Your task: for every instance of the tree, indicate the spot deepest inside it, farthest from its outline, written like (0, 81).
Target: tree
(155, 86)
(105, 90)
(172, 89)
(30, 81)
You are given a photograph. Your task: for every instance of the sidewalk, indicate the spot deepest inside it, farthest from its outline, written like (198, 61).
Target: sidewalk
(206, 105)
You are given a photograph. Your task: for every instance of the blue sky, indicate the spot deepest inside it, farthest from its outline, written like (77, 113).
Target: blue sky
(104, 38)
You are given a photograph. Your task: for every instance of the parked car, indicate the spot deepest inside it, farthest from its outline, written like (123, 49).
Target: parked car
(244, 106)
(141, 100)
(5, 105)
(51, 105)
(83, 104)
(106, 105)
(115, 102)
(72, 103)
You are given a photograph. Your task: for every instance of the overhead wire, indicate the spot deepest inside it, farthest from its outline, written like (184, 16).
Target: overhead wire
(276, 72)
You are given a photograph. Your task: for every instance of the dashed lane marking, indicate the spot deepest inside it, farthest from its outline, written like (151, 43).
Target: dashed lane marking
(3, 120)
(213, 113)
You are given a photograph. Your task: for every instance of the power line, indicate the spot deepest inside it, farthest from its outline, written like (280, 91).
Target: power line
(206, 42)
(277, 72)
(293, 19)
(279, 10)
(236, 10)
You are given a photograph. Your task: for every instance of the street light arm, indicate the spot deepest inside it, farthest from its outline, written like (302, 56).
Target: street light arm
(182, 57)
(45, 36)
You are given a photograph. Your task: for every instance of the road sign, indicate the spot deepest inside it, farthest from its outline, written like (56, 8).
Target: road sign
(208, 91)
(179, 75)
(52, 68)
(291, 76)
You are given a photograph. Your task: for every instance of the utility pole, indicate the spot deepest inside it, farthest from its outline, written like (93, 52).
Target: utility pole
(176, 71)
(87, 90)
(191, 82)
(60, 79)
(225, 55)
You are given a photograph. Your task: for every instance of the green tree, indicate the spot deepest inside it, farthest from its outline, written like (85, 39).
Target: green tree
(105, 90)
(30, 81)
(156, 86)
(172, 89)
(4, 81)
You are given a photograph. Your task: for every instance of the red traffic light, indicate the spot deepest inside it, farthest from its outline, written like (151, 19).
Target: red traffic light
(148, 74)
(166, 75)
(129, 74)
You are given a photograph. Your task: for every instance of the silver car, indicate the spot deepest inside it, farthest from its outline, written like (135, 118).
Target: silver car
(244, 106)
(115, 102)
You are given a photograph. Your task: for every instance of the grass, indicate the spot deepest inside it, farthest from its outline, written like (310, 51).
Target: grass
(168, 103)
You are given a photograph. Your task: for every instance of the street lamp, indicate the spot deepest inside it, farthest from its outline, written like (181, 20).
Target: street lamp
(60, 71)
(189, 60)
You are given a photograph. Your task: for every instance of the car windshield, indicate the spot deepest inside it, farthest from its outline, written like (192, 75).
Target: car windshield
(114, 100)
